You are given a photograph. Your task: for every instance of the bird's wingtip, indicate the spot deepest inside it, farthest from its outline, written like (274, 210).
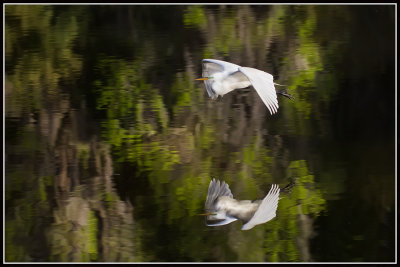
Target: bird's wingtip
(246, 227)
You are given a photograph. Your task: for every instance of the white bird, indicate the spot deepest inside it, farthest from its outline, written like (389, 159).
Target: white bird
(221, 208)
(221, 77)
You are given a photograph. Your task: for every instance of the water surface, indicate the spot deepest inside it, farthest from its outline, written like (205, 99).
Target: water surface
(110, 143)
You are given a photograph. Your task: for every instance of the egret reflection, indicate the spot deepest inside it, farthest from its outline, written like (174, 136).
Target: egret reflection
(221, 77)
(221, 208)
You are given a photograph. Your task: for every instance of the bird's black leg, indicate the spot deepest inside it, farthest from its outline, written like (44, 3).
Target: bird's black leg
(287, 188)
(284, 93)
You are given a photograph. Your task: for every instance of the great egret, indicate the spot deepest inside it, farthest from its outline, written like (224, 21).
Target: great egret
(222, 208)
(221, 77)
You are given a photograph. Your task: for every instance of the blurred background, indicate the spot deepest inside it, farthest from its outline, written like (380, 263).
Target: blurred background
(110, 143)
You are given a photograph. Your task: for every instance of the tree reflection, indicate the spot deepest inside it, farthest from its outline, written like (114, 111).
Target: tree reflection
(101, 113)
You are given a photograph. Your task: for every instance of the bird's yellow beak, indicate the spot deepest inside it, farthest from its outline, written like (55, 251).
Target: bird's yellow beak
(202, 79)
(206, 214)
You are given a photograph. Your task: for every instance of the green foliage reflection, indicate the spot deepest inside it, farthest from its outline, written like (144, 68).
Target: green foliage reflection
(136, 66)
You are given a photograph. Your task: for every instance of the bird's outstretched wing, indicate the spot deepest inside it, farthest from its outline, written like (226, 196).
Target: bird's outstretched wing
(214, 65)
(264, 85)
(267, 209)
(215, 190)
(211, 66)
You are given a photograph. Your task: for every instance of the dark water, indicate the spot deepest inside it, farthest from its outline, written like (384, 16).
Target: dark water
(110, 143)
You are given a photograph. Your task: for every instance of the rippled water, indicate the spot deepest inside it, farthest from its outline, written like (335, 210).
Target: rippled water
(110, 143)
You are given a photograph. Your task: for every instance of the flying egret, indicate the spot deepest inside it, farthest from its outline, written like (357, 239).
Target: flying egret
(221, 77)
(222, 208)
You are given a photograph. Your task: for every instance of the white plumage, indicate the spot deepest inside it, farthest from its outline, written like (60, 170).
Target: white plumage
(223, 209)
(221, 77)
